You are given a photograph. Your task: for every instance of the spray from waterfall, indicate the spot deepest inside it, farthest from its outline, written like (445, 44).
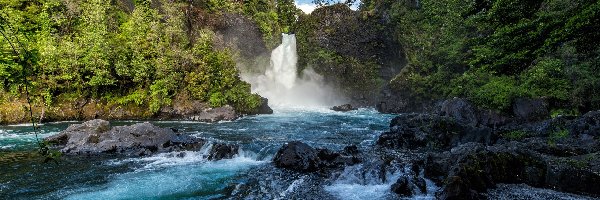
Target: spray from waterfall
(282, 85)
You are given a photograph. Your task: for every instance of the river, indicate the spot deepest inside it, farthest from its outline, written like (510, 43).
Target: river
(190, 175)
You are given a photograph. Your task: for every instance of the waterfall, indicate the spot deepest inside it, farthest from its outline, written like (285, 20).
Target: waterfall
(284, 87)
(283, 63)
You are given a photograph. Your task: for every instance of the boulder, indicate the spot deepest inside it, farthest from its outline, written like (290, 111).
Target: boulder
(414, 131)
(529, 110)
(212, 115)
(263, 108)
(408, 186)
(461, 110)
(331, 159)
(221, 151)
(97, 137)
(301, 157)
(472, 168)
(343, 108)
(464, 112)
(297, 156)
(588, 124)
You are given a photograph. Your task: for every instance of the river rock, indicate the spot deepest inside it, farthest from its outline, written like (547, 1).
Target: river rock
(343, 108)
(414, 131)
(297, 156)
(97, 137)
(301, 157)
(408, 186)
(472, 168)
(221, 151)
(264, 107)
(529, 110)
(461, 110)
(212, 115)
(588, 124)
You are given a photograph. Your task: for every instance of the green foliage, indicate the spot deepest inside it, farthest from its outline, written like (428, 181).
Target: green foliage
(497, 93)
(217, 99)
(494, 51)
(515, 135)
(557, 135)
(343, 47)
(219, 5)
(273, 17)
(48, 154)
(138, 97)
(142, 58)
(563, 112)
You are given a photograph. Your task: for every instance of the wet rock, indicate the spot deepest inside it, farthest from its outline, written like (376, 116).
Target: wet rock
(473, 168)
(300, 157)
(414, 131)
(464, 112)
(456, 189)
(97, 137)
(529, 110)
(402, 187)
(264, 107)
(212, 115)
(351, 150)
(343, 108)
(461, 110)
(297, 156)
(331, 159)
(408, 186)
(221, 151)
(588, 124)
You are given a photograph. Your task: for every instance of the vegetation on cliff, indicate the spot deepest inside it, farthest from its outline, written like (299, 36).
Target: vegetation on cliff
(348, 48)
(490, 51)
(134, 54)
(494, 51)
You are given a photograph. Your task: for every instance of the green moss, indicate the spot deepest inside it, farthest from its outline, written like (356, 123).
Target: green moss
(515, 135)
(557, 135)
(563, 112)
(579, 164)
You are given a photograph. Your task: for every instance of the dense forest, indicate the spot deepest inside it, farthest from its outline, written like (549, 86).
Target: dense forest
(148, 53)
(495, 51)
(490, 51)
(134, 54)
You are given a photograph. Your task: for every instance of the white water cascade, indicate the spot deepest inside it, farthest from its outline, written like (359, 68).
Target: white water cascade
(283, 87)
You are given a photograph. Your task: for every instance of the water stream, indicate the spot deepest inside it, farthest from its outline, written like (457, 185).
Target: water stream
(187, 175)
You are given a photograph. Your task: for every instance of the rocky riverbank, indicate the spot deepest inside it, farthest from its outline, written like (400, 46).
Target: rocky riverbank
(467, 151)
(88, 109)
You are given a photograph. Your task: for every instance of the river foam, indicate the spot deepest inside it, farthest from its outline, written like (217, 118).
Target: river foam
(363, 181)
(285, 86)
(172, 175)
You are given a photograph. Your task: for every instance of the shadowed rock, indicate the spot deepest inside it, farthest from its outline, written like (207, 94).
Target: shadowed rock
(97, 137)
(343, 108)
(222, 151)
(414, 131)
(297, 156)
(300, 157)
(408, 186)
(212, 115)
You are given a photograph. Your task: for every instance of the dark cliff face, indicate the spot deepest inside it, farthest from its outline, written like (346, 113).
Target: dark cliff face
(355, 51)
(240, 33)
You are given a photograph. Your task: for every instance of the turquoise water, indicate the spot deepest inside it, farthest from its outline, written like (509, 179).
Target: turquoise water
(167, 176)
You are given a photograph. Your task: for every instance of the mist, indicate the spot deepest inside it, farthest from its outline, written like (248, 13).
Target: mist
(284, 87)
